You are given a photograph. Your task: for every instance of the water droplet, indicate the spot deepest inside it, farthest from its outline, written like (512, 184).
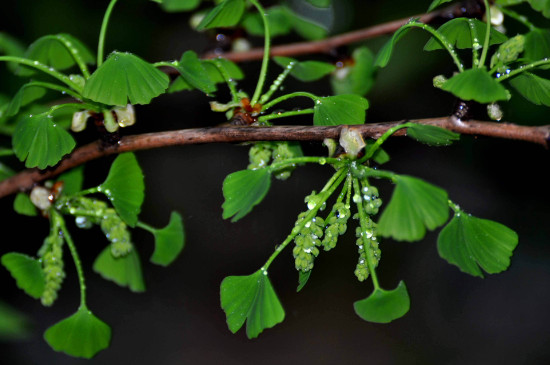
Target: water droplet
(322, 161)
(356, 198)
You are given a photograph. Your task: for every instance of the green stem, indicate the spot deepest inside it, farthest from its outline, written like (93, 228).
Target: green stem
(228, 80)
(87, 191)
(343, 194)
(55, 87)
(300, 160)
(487, 34)
(327, 191)
(103, 32)
(518, 17)
(442, 40)
(44, 68)
(289, 96)
(372, 149)
(265, 61)
(475, 43)
(524, 68)
(74, 53)
(455, 207)
(277, 83)
(72, 105)
(61, 222)
(146, 227)
(267, 117)
(371, 260)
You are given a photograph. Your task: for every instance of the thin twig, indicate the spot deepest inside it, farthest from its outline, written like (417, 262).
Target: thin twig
(26, 179)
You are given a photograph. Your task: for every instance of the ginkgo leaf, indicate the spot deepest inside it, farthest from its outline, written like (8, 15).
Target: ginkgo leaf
(357, 78)
(541, 5)
(14, 325)
(72, 180)
(26, 95)
(125, 270)
(437, 3)
(243, 190)
(305, 71)
(169, 241)
(27, 273)
(457, 31)
(384, 55)
(384, 306)
(305, 27)
(414, 206)
(80, 335)
(23, 205)
(537, 45)
(303, 278)
(533, 88)
(232, 70)
(252, 299)
(432, 135)
(179, 5)
(340, 109)
(125, 187)
(280, 23)
(40, 142)
(194, 73)
(226, 14)
(473, 244)
(476, 84)
(125, 78)
(57, 51)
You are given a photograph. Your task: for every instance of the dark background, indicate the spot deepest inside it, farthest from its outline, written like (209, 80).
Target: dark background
(454, 318)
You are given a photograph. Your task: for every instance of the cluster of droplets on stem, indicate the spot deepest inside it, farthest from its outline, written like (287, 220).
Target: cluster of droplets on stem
(370, 202)
(89, 211)
(51, 254)
(263, 154)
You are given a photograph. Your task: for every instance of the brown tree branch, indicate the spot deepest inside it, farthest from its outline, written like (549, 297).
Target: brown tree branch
(25, 180)
(328, 44)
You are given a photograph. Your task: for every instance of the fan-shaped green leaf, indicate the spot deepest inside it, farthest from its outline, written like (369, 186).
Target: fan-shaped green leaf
(252, 299)
(533, 88)
(414, 206)
(356, 78)
(384, 306)
(226, 14)
(473, 244)
(169, 241)
(537, 45)
(457, 31)
(14, 325)
(340, 109)
(320, 3)
(125, 78)
(243, 190)
(432, 135)
(180, 5)
(305, 27)
(26, 271)
(437, 3)
(57, 51)
(541, 5)
(72, 180)
(232, 70)
(40, 142)
(303, 278)
(23, 205)
(80, 335)
(306, 71)
(124, 187)
(11, 47)
(179, 84)
(280, 23)
(476, 84)
(384, 55)
(192, 70)
(26, 94)
(125, 270)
